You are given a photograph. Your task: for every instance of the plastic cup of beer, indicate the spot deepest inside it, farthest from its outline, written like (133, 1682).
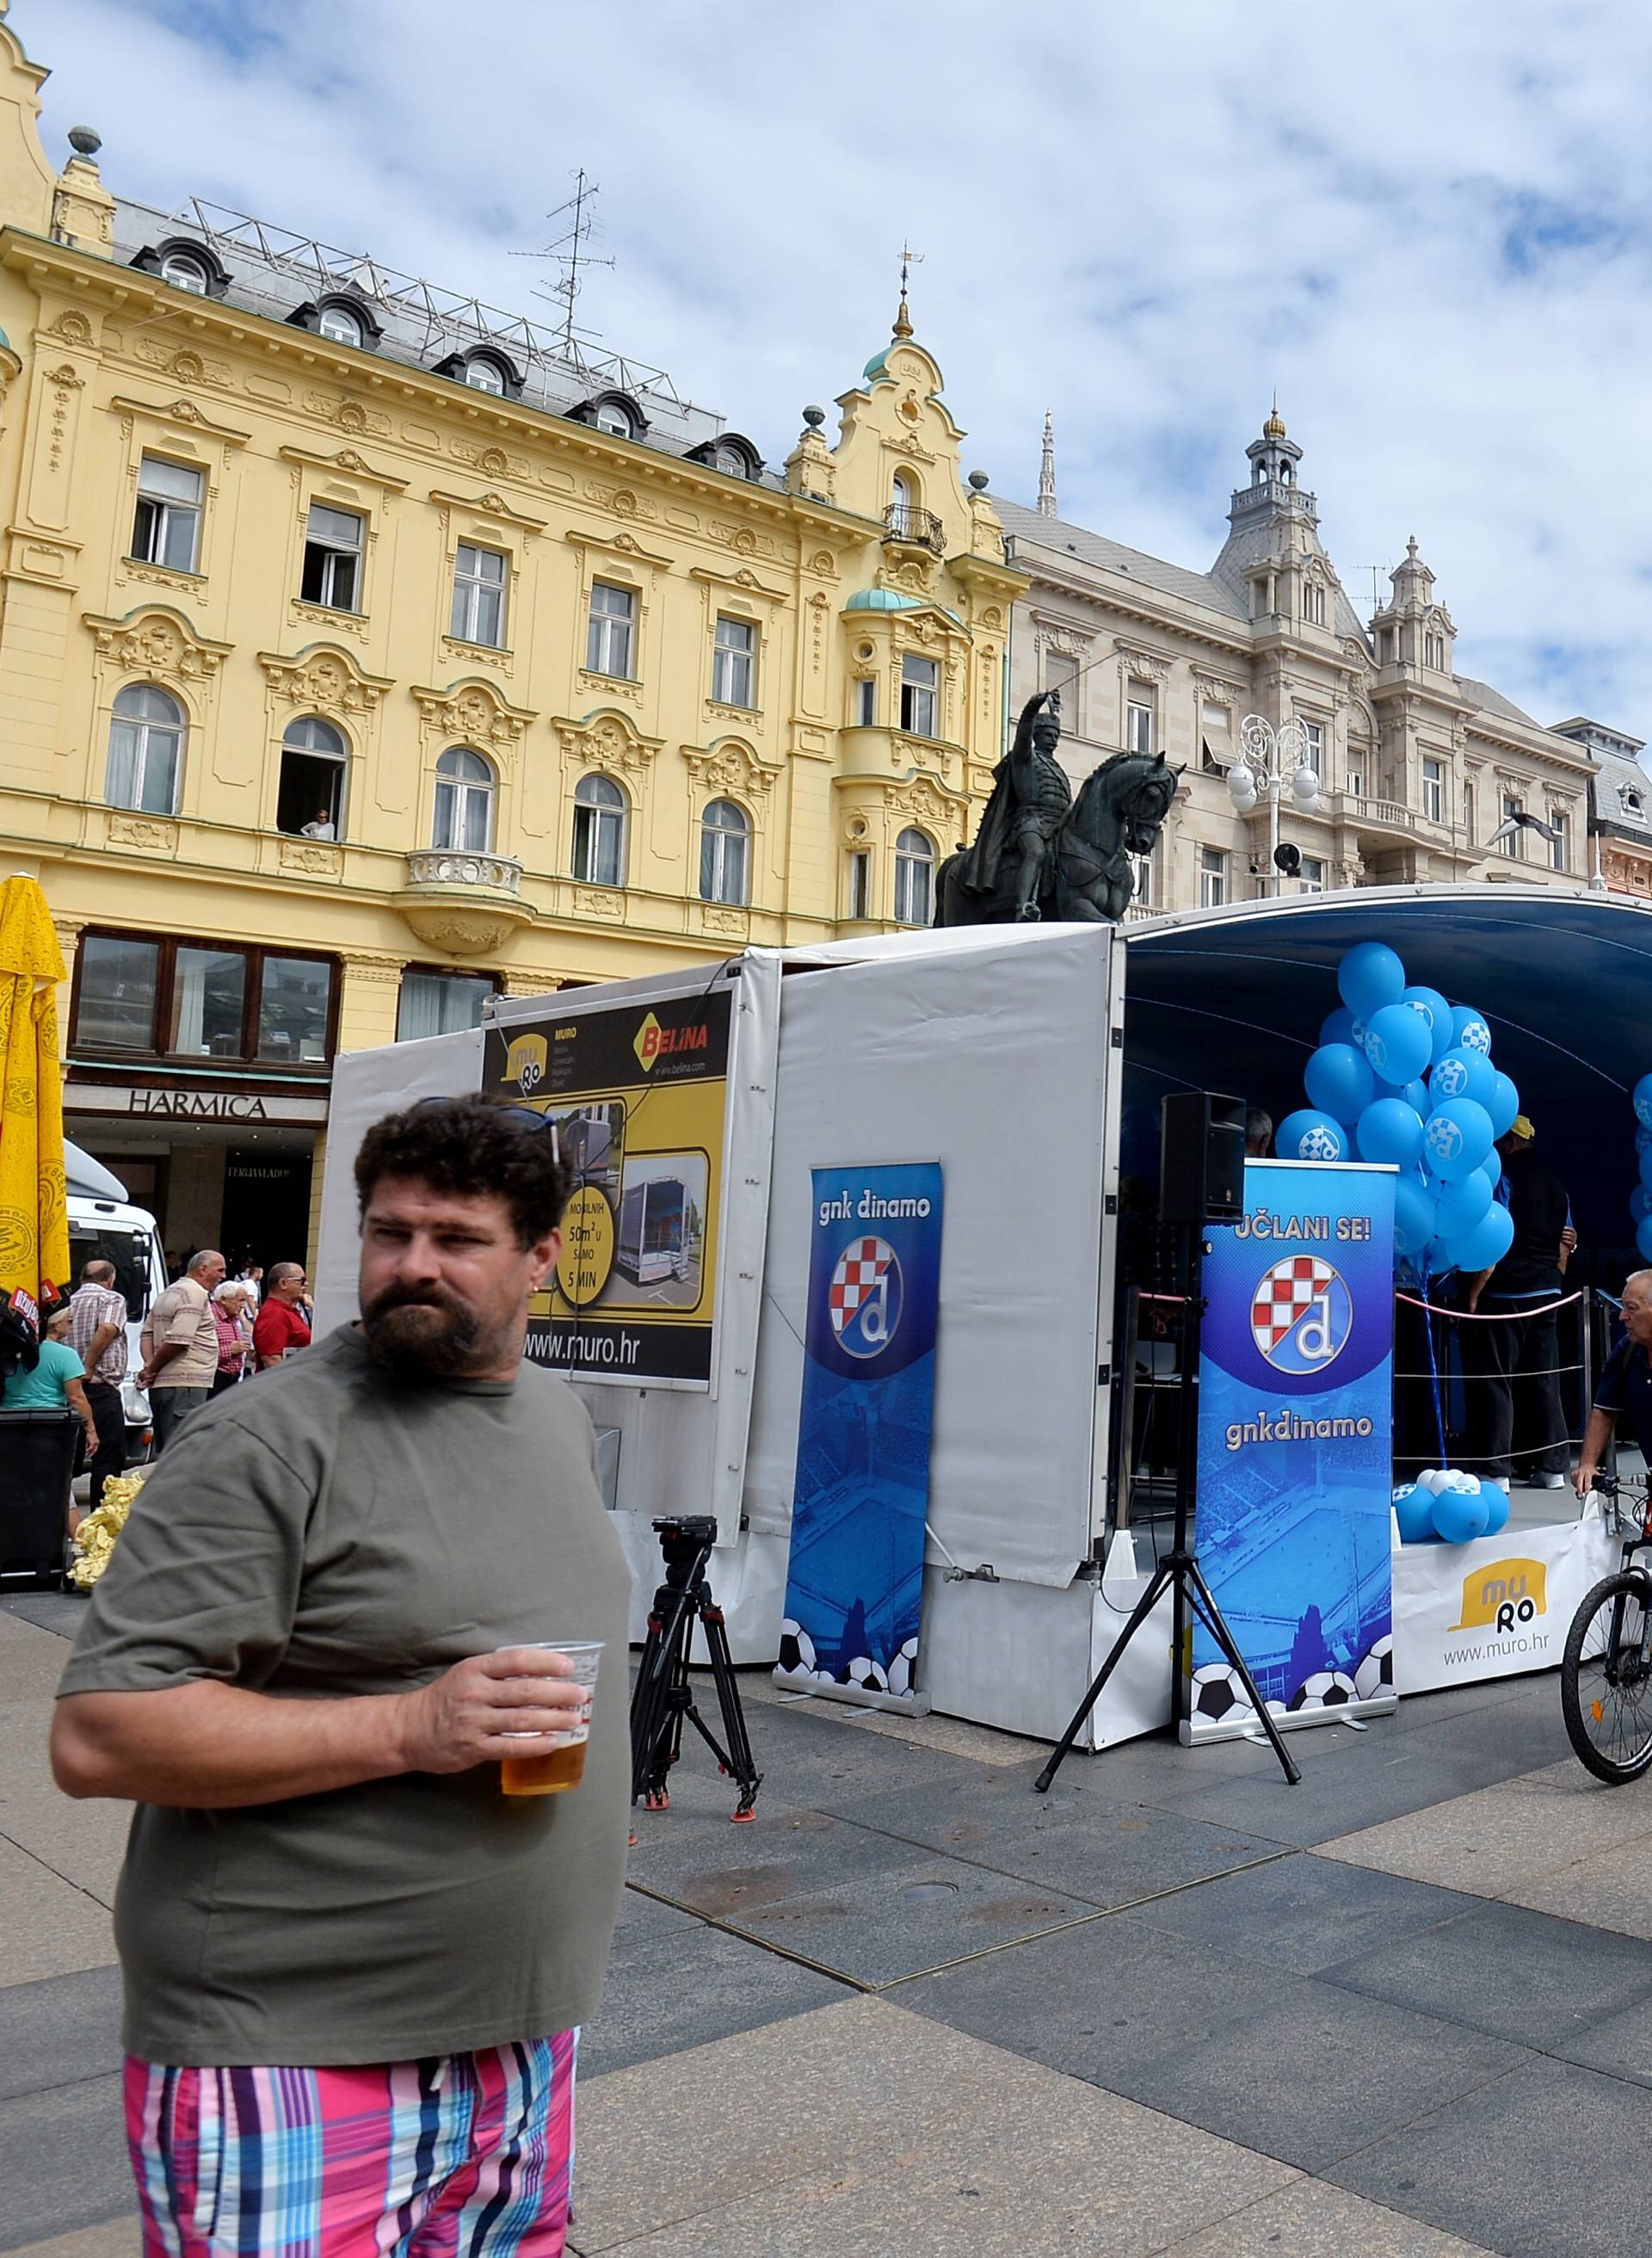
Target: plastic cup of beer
(564, 1765)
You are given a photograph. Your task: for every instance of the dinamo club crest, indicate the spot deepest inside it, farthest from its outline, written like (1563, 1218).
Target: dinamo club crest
(1302, 1314)
(865, 1297)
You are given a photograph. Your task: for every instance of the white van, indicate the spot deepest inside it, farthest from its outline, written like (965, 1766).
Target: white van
(104, 1226)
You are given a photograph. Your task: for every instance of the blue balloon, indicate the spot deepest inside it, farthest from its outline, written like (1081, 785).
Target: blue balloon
(1310, 1135)
(1413, 1218)
(1437, 1012)
(1390, 1131)
(1338, 1082)
(1413, 1510)
(1640, 1202)
(1339, 1028)
(1484, 1247)
(1369, 976)
(1456, 1138)
(1491, 1167)
(1463, 1203)
(1503, 1105)
(1643, 1138)
(1641, 1098)
(1397, 1043)
(1416, 1095)
(1460, 1516)
(1436, 1259)
(1645, 1168)
(1469, 1030)
(1496, 1498)
(1466, 1073)
(1643, 1238)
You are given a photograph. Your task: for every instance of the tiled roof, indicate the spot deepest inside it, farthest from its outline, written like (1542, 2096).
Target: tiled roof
(1060, 539)
(1623, 794)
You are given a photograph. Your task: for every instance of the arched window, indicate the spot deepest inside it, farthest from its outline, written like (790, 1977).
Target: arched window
(612, 416)
(600, 809)
(185, 272)
(914, 878)
(311, 800)
(145, 749)
(339, 323)
(483, 374)
(464, 801)
(904, 514)
(725, 854)
(732, 459)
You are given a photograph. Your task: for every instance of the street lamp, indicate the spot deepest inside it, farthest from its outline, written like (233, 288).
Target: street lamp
(1268, 762)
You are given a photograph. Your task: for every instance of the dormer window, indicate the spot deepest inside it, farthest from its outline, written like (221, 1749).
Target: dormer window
(483, 371)
(735, 456)
(341, 320)
(185, 272)
(611, 417)
(187, 265)
(340, 325)
(485, 375)
(614, 412)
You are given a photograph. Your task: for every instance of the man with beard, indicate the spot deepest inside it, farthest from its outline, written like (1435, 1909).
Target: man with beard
(354, 1969)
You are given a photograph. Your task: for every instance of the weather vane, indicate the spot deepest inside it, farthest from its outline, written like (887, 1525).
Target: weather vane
(909, 260)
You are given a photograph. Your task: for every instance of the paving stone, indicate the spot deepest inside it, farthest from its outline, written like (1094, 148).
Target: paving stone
(48, 1927)
(1498, 1838)
(54, 1611)
(115, 2238)
(82, 1840)
(58, 2031)
(62, 2162)
(31, 1660)
(642, 1917)
(1516, 1974)
(1310, 2220)
(668, 1993)
(1303, 1913)
(1361, 1785)
(1540, 2163)
(707, 1866)
(861, 2129)
(1609, 1889)
(1621, 2045)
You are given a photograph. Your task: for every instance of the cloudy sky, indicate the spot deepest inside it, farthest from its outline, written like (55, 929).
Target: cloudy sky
(1428, 225)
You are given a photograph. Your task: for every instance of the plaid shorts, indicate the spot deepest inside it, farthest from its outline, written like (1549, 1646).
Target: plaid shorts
(462, 2155)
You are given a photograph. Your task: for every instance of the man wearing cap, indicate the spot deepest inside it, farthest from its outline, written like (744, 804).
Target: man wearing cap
(1510, 1341)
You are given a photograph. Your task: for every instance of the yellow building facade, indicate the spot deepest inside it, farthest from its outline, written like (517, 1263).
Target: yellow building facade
(359, 654)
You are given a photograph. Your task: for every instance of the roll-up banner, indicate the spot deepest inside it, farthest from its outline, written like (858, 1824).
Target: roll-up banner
(1295, 1459)
(855, 1577)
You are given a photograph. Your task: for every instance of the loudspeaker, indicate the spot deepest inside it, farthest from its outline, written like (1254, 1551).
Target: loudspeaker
(1201, 1158)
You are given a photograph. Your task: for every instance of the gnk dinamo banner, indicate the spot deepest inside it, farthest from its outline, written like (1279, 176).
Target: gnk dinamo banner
(639, 1095)
(1295, 1466)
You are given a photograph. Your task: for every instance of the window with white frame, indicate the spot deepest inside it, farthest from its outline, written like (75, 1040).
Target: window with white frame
(600, 812)
(1060, 675)
(1434, 651)
(611, 631)
(185, 273)
(1138, 724)
(485, 374)
(1514, 845)
(914, 877)
(1468, 813)
(1213, 878)
(1314, 746)
(613, 418)
(859, 889)
(1560, 845)
(1313, 604)
(166, 524)
(146, 750)
(1356, 772)
(1434, 791)
(333, 542)
(480, 577)
(865, 702)
(725, 854)
(920, 696)
(1216, 738)
(465, 790)
(1141, 873)
(1310, 878)
(735, 663)
(340, 325)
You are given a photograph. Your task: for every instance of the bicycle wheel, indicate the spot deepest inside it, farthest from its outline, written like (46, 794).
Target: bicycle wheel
(1606, 1678)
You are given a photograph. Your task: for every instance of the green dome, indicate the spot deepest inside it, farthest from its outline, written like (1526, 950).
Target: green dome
(874, 366)
(882, 600)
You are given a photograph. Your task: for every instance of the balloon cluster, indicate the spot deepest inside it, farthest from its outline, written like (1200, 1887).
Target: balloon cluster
(1401, 1075)
(1641, 1197)
(1443, 1507)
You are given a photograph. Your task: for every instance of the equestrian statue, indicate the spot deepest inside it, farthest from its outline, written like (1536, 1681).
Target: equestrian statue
(1041, 853)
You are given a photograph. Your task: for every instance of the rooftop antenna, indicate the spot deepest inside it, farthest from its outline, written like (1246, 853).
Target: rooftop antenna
(570, 252)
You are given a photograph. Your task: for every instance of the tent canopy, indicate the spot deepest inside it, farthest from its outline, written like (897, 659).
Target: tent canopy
(1232, 1000)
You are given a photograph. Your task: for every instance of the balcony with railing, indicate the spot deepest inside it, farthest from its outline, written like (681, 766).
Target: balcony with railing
(906, 525)
(464, 901)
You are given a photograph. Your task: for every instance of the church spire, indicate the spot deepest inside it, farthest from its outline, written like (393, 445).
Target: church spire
(1046, 471)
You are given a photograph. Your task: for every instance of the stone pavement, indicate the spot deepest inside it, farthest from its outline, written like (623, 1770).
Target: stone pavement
(1403, 2011)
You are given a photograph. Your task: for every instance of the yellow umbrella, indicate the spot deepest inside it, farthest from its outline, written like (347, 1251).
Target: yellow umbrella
(34, 1232)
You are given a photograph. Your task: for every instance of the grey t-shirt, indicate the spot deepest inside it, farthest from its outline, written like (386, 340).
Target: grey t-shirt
(321, 1532)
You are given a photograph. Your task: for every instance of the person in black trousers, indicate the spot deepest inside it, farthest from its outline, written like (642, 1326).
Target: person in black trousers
(97, 1330)
(1510, 1364)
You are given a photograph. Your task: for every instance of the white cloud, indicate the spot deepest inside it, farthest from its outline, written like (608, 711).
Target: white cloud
(1427, 227)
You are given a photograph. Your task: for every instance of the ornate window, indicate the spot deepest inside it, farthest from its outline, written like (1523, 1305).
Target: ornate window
(914, 878)
(464, 787)
(725, 854)
(311, 800)
(480, 577)
(1313, 604)
(611, 631)
(600, 814)
(146, 750)
(860, 876)
(906, 515)
(735, 663)
(920, 695)
(166, 524)
(333, 544)
(1434, 652)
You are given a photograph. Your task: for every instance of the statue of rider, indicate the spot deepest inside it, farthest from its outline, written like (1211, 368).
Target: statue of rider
(1031, 799)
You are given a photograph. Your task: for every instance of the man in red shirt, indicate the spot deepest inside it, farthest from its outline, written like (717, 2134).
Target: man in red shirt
(281, 1326)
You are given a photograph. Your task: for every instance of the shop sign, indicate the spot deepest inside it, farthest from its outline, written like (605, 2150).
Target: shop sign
(240, 1106)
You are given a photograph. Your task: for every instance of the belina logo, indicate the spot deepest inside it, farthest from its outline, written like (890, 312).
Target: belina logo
(865, 1297)
(1504, 1596)
(1302, 1314)
(654, 1042)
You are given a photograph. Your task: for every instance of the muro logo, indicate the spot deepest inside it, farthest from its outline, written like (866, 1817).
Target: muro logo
(1504, 1596)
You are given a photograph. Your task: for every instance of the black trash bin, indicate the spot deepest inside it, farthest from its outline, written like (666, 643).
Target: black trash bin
(37, 1465)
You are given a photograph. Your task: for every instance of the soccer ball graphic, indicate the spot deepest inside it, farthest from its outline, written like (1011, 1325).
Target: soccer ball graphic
(1218, 1695)
(796, 1649)
(865, 1673)
(1374, 1675)
(1326, 1689)
(903, 1668)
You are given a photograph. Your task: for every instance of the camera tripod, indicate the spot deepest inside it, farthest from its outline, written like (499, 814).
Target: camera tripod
(1179, 1572)
(662, 1696)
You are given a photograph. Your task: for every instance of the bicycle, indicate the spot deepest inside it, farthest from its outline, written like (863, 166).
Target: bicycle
(1605, 1673)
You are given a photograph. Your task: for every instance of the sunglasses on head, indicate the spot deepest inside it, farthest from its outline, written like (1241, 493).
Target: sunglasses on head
(532, 1121)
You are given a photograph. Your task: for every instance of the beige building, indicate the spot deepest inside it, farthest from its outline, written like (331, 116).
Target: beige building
(362, 653)
(1420, 768)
